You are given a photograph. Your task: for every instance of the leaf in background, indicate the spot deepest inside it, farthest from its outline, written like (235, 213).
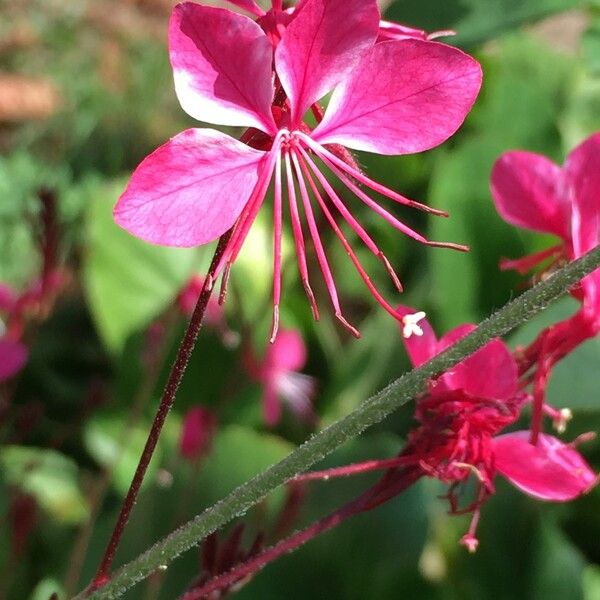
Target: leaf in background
(50, 477)
(557, 566)
(582, 113)
(238, 454)
(522, 99)
(591, 47)
(128, 282)
(45, 589)
(106, 442)
(474, 20)
(591, 583)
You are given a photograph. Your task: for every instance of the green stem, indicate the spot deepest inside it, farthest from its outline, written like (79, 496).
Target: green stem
(367, 414)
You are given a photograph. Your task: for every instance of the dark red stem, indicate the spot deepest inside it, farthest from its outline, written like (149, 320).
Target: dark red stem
(175, 376)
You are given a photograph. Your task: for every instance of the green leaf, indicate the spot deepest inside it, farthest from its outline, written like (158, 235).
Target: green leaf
(591, 583)
(557, 566)
(45, 588)
(475, 21)
(582, 113)
(128, 282)
(238, 454)
(50, 477)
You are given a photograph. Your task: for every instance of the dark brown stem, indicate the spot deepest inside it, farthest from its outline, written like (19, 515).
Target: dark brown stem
(175, 376)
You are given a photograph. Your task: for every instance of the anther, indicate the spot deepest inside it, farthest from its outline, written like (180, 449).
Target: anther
(348, 326)
(410, 324)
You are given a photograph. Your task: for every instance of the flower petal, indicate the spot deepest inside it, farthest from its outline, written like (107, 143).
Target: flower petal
(549, 470)
(420, 348)
(321, 46)
(287, 352)
(582, 179)
(526, 191)
(404, 97)
(222, 66)
(190, 190)
(491, 372)
(13, 356)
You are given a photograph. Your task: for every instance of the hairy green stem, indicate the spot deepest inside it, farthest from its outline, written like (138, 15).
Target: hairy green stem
(367, 414)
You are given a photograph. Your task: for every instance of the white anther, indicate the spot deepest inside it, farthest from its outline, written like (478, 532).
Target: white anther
(410, 324)
(565, 415)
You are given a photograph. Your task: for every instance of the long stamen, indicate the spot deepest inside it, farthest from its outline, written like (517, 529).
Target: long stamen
(251, 208)
(299, 237)
(391, 219)
(354, 224)
(338, 232)
(377, 187)
(321, 257)
(277, 226)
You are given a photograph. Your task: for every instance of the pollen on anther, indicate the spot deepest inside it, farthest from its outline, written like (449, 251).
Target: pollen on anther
(411, 326)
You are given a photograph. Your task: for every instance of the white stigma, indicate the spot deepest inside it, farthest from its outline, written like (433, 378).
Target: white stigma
(410, 324)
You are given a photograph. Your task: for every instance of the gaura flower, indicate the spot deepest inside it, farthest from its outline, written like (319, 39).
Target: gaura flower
(197, 433)
(395, 97)
(460, 419)
(532, 192)
(279, 373)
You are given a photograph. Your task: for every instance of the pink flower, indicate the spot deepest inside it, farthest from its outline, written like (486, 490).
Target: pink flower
(395, 97)
(197, 433)
(279, 372)
(462, 415)
(532, 192)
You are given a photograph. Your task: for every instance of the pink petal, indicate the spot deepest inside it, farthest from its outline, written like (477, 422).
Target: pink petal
(491, 372)
(419, 348)
(287, 352)
(13, 356)
(190, 190)
(222, 66)
(197, 432)
(582, 180)
(526, 191)
(550, 470)
(321, 46)
(404, 97)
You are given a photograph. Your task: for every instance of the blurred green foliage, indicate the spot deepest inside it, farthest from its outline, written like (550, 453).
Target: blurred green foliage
(72, 408)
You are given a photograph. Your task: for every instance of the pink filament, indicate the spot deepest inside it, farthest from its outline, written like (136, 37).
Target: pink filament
(299, 237)
(321, 257)
(345, 243)
(277, 226)
(354, 224)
